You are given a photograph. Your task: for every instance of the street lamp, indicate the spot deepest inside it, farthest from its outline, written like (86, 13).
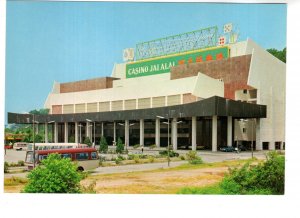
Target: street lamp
(33, 138)
(94, 130)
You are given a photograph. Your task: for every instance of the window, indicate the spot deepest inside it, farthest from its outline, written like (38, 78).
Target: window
(244, 130)
(245, 91)
(94, 155)
(42, 157)
(66, 155)
(82, 156)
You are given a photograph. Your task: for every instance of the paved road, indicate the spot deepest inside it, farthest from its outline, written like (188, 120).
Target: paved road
(208, 157)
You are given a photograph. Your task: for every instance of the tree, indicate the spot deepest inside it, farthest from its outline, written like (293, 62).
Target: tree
(281, 55)
(87, 141)
(120, 146)
(38, 138)
(54, 175)
(103, 145)
(40, 111)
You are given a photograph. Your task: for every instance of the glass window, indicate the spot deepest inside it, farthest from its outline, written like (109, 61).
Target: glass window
(66, 155)
(29, 157)
(94, 155)
(42, 157)
(82, 156)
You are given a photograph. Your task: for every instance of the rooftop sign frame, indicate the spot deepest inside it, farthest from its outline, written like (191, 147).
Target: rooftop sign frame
(195, 40)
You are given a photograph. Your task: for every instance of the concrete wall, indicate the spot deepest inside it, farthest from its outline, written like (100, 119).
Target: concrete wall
(268, 75)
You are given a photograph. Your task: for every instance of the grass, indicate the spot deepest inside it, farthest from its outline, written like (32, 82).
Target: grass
(208, 190)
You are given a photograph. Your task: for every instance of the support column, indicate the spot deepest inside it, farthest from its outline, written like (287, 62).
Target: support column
(194, 133)
(281, 145)
(55, 132)
(157, 132)
(76, 132)
(142, 125)
(102, 129)
(87, 130)
(37, 128)
(214, 133)
(174, 133)
(46, 133)
(115, 133)
(66, 132)
(126, 133)
(229, 131)
(258, 141)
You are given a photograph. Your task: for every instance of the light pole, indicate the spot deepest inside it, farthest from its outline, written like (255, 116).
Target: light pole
(94, 130)
(33, 138)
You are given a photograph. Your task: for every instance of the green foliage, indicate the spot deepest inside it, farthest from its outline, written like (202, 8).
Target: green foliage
(281, 55)
(172, 153)
(38, 138)
(72, 139)
(119, 146)
(136, 146)
(40, 111)
(54, 175)
(193, 158)
(182, 157)
(136, 158)
(266, 178)
(151, 159)
(6, 167)
(103, 145)
(152, 146)
(87, 141)
(90, 189)
(263, 179)
(101, 160)
(21, 163)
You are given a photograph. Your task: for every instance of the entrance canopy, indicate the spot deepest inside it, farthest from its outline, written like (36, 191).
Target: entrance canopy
(214, 106)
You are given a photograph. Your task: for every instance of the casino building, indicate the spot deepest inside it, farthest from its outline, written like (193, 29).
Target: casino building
(197, 90)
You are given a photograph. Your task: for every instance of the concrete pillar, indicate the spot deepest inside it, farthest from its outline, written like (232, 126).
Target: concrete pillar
(115, 133)
(194, 133)
(87, 129)
(174, 133)
(142, 126)
(272, 145)
(76, 132)
(102, 129)
(259, 146)
(157, 132)
(126, 133)
(55, 132)
(214, 133)
(281, 145)
(229, 131)
(46, 133)
(37, 128)
(66, 132)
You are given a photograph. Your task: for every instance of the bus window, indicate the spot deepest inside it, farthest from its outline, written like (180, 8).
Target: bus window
(29, 157)
(66, 155)
(82, 156)
(94, 155)
(42, 157)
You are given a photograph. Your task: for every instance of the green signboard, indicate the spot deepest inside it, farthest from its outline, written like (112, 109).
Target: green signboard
(163, 65)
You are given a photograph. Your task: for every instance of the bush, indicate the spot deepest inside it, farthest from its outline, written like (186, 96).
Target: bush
(87, 141)
(120, 146)
(90, 189)
(182, 157)
(152, 146)
(101, 160)
(118, 161)
(136, 159)
(196, 161)
(172, 153)
(6, 167)
(193, 158)
(21, 163)
(54, 175)
(266, 178)
(151, 159)
(103, 145)
(136, 146)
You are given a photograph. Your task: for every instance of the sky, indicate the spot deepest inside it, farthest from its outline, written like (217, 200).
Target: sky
(69, 41)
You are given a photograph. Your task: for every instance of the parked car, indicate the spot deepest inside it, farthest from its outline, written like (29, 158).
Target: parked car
(227, 149)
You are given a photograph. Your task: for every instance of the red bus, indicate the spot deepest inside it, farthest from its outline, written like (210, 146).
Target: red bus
(85, 158)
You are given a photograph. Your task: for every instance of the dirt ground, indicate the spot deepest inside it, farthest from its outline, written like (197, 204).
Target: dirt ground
(165, 182)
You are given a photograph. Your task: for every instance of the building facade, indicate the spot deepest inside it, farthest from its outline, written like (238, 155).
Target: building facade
(197, 99)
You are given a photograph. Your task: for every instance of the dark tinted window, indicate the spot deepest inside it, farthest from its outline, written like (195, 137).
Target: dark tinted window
(82, 156)
(94, 155)
(66, 155)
